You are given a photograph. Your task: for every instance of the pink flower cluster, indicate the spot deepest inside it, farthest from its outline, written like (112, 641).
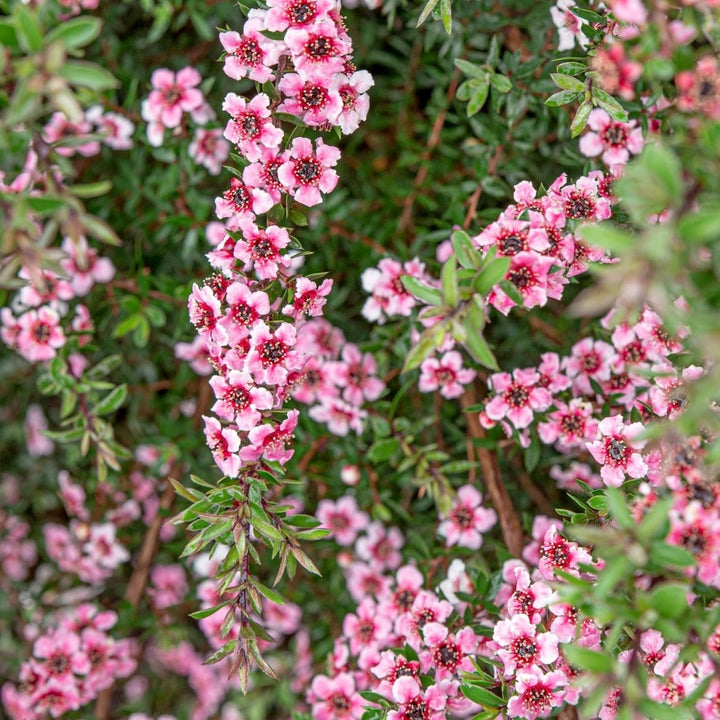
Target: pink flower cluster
(71, 664)
(566, 396)
(262, 348)
(17, 553)
(115, 131)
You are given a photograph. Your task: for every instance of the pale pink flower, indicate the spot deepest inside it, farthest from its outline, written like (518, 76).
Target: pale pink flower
(283, 14)
(35, 423)
(251, 126)
(343, 517)
(537, 693)
(468, 520)
(316, 102)
(615, 141)
(116, 130)
(174, 94)
(39, 334)
(209, 149)
(84, 266)
(446, 373)
(522, 646)
(251, 54)
(518, 397)
(319, 50)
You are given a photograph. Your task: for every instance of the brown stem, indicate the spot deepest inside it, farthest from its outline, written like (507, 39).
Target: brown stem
(434, 139)
(509, 522)
(139, 578)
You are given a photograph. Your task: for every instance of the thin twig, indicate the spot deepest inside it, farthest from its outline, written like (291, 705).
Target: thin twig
(509, 521)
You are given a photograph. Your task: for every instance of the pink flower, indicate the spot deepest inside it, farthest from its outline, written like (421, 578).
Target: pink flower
(521, 646)
(242, 202)
(224, 444)
(319, 50)
(317, 102)
(308, 298)
(238, 400)
(537, 693)
(355, 101)
(270, 441)
(343, 517)
(39, 334)
(307, 172)
(518, 397)
(366, 628)
(415, 702)
(571, 425)
(251, 54)
(447, 373)
(251, 127)
(35, 423)
(209, 149)
(172, 95)
(614, 451)
(389, 296)
(467, 520)
(335, 698)
(84, 267)
(557, 553)
(356, 374)
(614, 140)
(283, 14)
(340, 416)
(116, 130)
(381, 545)
(272, 355)
(447, 654)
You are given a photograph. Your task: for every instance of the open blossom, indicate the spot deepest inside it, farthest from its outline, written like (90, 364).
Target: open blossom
(250, 126)
(537, 693)
(522, 646)
(617, 450)
(446, 374)
(615, 141)
(335, 698)
(568, 24)
(283, 14)
(343, 517)
(308, 171)
(318, 50)
(116, 130)
(517, 397)
(251, 54)
(467, 520)
(39, 334)
(209, 149)
(317, 102)
(174, 94)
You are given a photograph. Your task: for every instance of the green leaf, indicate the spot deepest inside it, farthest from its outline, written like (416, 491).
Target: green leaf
(500, 83)
(430, 339)
(112, 401)
(91, 190)
(562, 98)
(571, 68)
(663, 165)
(45, 204)
(618, 507)
(207, 612)
(508, 287)
(8, 35)
(663, 554)
(100, 230)
(568, 82)
(471, 69)
(478, 98)
(697, 227)
(449, 282)
(607, 235)
(609, 104)
(382, 450)
(659, 711)
(223, 652)
(89, 75)
(481, 696)
(491, 275)
(670, 600)
(423, 292)
(64, 436)
(28, 29)
(478, 347)
(586, 659)
(76, 32)
(466, 253)
(446, 15)
(532, 455)
(429, 7)
(580, 119)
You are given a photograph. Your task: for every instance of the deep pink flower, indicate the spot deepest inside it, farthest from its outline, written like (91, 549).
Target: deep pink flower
(238, 400)
(251, 127)
(39, 334)
(316, 102)
(537, 693)
(319, 50)
(224, 444)
(270, 441)
(251, 54)
(615, 450)
(522, 646)
(518, 397)
(272, 355)
(335, 698)
(263, 248)
(283, 14)
(307, 172)
(242, 202)
(448, 654)
(367, 627)
(571, 425)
